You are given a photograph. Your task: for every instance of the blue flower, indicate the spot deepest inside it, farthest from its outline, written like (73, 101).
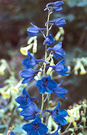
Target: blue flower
(34, 30)
(60, 91)
(30, 112)
(25, 100)
(58, 114)
(28, 75)
(56, 132)
(60, 68)
(12, 133)
(58, 22)
(57, 51)
(46, 84)
(49, 40)
(35, 127)
(31, 61)
(54, 6)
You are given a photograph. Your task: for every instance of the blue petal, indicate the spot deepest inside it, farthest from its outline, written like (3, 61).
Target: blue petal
(61, 120)
(26, 80)
(63, 113)
(12, 133)
(43, 129)
(27, 73)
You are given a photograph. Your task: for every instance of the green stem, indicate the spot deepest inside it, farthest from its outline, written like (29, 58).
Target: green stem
(45, 63)
(42, 105)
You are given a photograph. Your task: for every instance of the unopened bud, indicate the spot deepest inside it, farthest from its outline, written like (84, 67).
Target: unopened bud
(50, 103)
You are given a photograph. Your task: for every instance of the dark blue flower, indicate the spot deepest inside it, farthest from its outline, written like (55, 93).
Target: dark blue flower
(57, 51)
(28, 75)
(30, 112)
(54, 6)
(58, 114)
(56, 132)
(31, 61)
(46, 84)
(34, 30)
(58, 22)
(12, 133)
(60, 91)
(35, 127)
(25, 100)
(60, 68)
(49, 40)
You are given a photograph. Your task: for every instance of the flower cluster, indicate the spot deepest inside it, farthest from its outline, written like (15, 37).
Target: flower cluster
(46, 85)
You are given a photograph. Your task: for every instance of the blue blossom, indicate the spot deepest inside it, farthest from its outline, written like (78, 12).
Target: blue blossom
(46, 84)
(60, 22)
(12, 133)
(60, 91)
(54, 6)
(25, 100)
(34, 30)
(57, 51)
(30, 112)
(30, 61)
(35, 127)
(56, 132)
(58, 114)
(60, 68)
(28, 75)
(49, 40)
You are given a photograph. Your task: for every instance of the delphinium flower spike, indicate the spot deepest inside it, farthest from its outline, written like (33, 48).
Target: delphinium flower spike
(46, 84)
